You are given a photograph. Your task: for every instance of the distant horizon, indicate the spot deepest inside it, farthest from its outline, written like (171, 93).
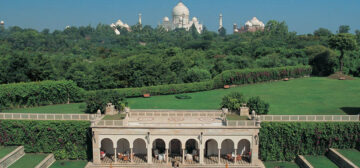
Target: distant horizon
(302, 16)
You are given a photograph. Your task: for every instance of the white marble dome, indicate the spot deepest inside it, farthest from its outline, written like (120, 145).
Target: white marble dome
(180, 9)
(166, 19)
(2, 22)
(255, 22)
(194, 19)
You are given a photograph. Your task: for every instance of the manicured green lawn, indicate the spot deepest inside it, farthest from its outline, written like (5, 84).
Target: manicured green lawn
(320, 162)
(28, 161)
(307, 96)
(69, 164)
(75, 108)
(281, 164)
(352, 154)
(114, 117)
(4, 150)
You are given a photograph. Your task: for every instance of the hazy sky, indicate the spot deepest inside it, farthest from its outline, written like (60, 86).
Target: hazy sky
(302, 16)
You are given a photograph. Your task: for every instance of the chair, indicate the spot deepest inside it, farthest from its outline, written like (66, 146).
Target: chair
(120, 156)
(229, 157)
(102, 155)
(238, 157)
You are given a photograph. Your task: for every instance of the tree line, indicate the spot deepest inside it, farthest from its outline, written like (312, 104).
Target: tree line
(95, 58)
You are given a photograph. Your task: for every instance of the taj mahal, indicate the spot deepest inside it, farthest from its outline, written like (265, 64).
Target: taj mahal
(181, 19)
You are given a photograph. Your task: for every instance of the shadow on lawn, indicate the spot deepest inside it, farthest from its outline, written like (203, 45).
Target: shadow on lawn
(351, 110)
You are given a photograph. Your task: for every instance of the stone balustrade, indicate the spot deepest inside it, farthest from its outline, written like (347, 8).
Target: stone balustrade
(47, 162)
(12, 157)
(35, 116)
(175, 113)
(316, 118)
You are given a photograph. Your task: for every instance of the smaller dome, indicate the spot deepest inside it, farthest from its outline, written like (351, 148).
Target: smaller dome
(194, 19)
(248, 23)
(166, 19)
(119, 23)
(67, 27)
(2, 22)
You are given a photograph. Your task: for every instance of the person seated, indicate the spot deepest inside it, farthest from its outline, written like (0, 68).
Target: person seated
(120, 156)
(156, 154)
(238, 157)
(102, 155)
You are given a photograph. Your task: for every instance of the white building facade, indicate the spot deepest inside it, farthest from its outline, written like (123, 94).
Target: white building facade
(158, 138)
(181, 19)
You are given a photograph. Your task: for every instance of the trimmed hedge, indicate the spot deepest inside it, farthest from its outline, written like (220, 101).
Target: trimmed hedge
(161, 89)
(248, 76)
(283, 141)
(65, 139)
(238, 77)
(39, 93)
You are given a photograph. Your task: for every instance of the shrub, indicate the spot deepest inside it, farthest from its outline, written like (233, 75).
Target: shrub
(237, 77)
(183, 97)
(39, 93)
(65, 139)
(249, 76)
(233, 101)
(197, 75)
(258, 105)
(99, 100)
(283, 141)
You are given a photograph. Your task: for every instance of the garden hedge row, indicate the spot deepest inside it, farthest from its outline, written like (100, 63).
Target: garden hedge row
(282, 141)
(39, 93)
(238, 77)
(65, 139)
(248, 76)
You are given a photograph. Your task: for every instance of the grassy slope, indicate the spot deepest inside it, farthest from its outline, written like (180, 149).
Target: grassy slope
(69, 164)
(281, 164)
(352, 154)
(4, 150)
(321, 162)
(309, 96)
(28, 161)
(75, 108)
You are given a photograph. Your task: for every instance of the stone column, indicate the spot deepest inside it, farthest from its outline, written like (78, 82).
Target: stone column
(255, 148)
(183, 156)
(131, 155)
(167, 155)
(235, 156)
(149, 153)
(201, 155)
(96, 148)
(219, 156)
(115, 155)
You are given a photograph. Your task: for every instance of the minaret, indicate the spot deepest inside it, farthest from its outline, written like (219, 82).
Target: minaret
(221, 21)
(140, 18)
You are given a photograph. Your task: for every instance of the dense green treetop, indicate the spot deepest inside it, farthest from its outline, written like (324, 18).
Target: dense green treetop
(96, 58)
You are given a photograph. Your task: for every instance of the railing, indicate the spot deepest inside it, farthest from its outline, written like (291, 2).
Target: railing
(338, 118)
(175, 113)
(33, 116)
(110, 123)
(12, 157)
(241, 123)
